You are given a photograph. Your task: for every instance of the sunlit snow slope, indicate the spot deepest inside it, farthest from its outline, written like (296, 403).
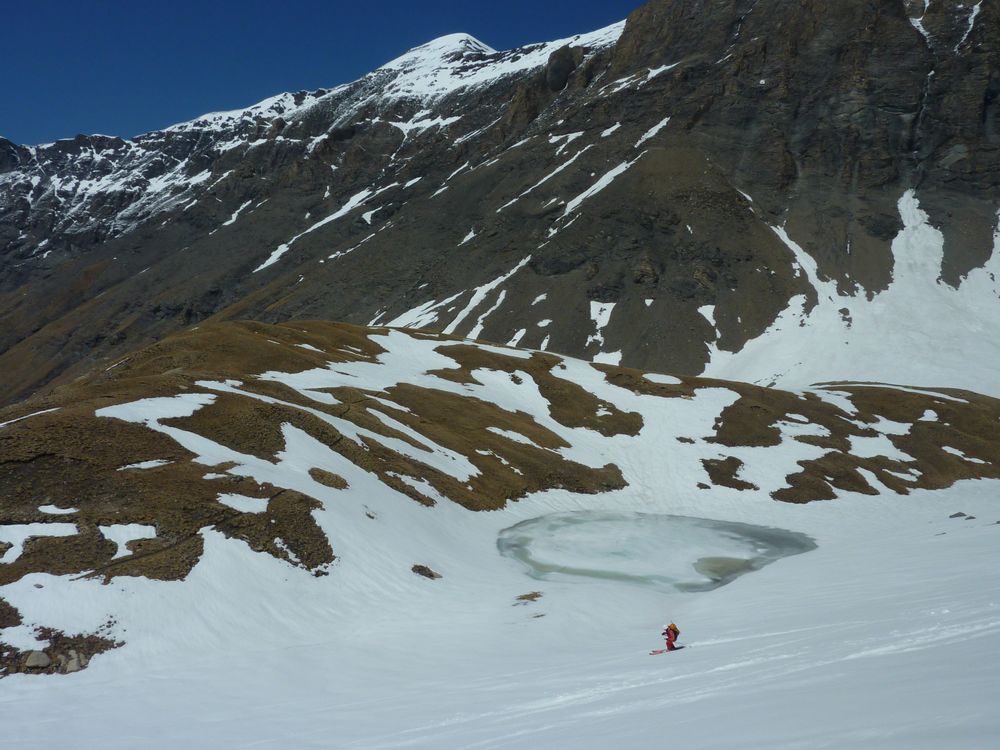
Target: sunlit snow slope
(919, 331)
(274, 487)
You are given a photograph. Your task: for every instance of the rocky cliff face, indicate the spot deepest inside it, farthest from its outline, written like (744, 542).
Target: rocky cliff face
(652, 194)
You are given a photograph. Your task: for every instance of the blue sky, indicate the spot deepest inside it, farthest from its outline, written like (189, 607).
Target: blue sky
(123, 68)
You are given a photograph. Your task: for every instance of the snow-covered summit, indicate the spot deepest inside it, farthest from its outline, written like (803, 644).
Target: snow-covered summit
(442, 48)
(457, 61)
(427, 72)
(58, 183)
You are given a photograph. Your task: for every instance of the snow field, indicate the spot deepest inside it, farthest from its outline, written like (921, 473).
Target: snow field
(914, 332)
(876, 639)
(879, 638)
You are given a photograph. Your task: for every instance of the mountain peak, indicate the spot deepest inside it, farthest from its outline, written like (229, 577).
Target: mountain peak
(442, 49)
(448, 63)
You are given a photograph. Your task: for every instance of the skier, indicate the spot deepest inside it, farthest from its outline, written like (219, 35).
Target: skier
(670, 633)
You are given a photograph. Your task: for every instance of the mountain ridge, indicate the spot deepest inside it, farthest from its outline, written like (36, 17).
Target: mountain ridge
(726, 158)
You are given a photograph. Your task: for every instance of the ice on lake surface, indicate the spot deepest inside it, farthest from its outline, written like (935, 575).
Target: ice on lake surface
(681, 553)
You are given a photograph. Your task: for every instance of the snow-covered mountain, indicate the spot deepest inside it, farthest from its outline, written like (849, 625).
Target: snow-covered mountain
(102, 187)
(688, 189)
(340, 421)
(246, 525)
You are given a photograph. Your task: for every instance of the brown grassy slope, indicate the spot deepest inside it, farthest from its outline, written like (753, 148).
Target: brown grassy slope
(72, 458)
(968, 423)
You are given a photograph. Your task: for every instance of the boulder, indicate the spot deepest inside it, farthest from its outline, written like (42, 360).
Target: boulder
(71, 662)
(423, 570)
(37, 660)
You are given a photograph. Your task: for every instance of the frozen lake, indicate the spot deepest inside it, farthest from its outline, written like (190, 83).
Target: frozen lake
(680, 553)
